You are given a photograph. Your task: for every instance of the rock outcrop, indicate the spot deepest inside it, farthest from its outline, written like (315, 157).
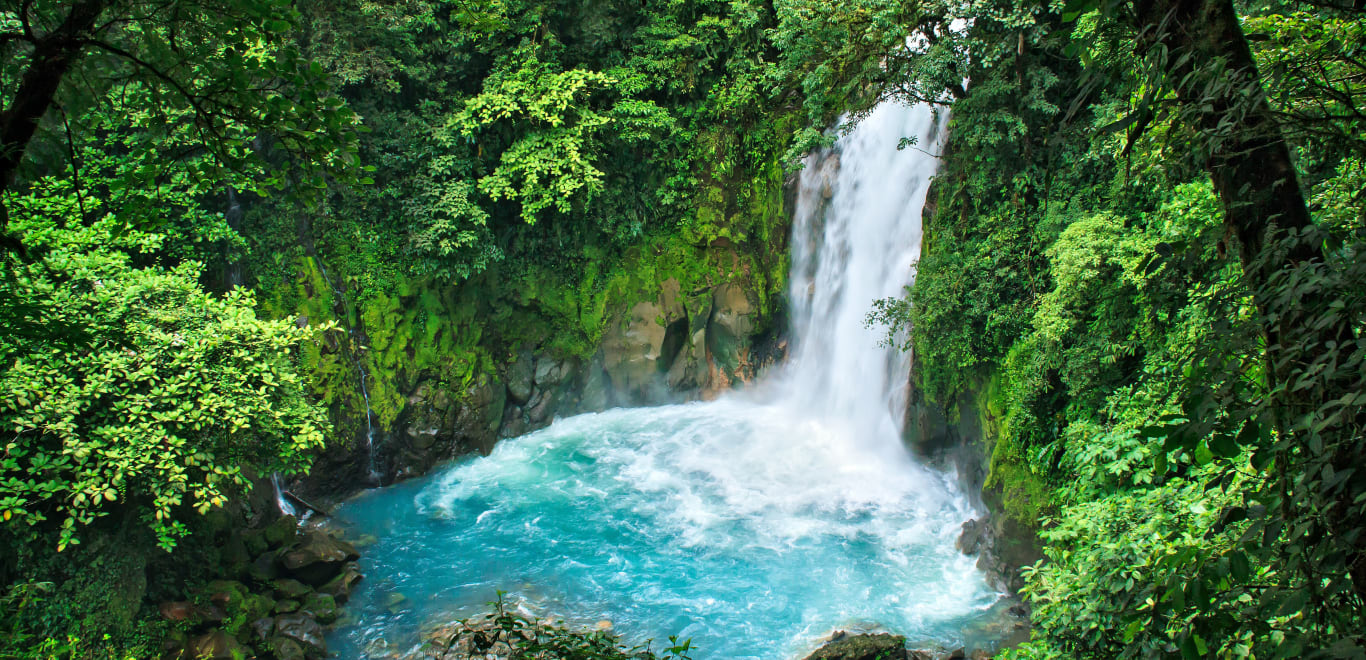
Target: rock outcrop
(289, 587)
(880, 646)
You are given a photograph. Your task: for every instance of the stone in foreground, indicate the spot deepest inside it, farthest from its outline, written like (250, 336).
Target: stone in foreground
(863, 647)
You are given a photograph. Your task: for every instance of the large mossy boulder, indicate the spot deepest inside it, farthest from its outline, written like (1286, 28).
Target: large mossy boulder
(317, 558)
(863, 647)
(281, 531)
(323, 607)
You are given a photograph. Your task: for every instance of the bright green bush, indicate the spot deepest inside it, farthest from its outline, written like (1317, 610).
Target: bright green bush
(143, 393)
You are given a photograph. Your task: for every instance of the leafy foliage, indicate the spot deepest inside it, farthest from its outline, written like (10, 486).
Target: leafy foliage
(510, 632)
(1173, 401)
(172, 397)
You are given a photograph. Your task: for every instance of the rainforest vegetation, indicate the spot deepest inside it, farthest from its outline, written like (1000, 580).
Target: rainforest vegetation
(1142, 270)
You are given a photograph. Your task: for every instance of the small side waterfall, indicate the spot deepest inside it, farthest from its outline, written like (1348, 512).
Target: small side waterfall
(281, 502)
(357, 344)
(234, 217)
(753, 524)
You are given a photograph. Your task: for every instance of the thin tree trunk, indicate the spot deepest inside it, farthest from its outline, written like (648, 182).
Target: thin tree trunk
(53, 56)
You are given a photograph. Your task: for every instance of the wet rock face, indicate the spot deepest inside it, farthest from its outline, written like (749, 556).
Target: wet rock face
(318, 558)
(438, 425)
(685, 344)
(1002, 548)
(734, 319)
(673, 343)
(631, 350)
(862, 647)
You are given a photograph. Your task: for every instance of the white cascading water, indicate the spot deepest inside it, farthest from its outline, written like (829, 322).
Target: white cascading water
(855, 248)
(753, 524)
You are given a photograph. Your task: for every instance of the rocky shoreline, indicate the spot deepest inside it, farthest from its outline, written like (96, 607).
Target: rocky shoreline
(501, 635)
(283, 586)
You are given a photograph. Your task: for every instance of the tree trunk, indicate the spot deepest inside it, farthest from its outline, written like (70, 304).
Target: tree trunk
(53, 56)
(1210, 66)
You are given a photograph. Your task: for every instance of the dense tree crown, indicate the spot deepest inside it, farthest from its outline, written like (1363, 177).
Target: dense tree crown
(1142, 265)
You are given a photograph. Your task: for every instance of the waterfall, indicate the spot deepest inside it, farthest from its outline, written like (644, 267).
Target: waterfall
(234, 217)
(753, 524)
(281, 502)
(851, 249)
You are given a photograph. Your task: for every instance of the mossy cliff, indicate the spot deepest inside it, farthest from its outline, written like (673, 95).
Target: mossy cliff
(684, 312)
(965, 426)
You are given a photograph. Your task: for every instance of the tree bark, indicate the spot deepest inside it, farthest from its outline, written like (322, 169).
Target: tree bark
(1210, 66)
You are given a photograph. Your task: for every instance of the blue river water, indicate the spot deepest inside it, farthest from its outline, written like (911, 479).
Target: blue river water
(754, 524)
(678, 520)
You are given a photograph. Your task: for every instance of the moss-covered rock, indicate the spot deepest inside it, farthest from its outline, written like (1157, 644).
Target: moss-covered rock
(216, 645)
(322, 606)
(317, 558)
(281, 531)
(863, 647)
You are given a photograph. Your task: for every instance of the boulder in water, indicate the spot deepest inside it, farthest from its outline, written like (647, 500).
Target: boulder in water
(973, 537)
(322, 606)
(863, 647)
(339, 588)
